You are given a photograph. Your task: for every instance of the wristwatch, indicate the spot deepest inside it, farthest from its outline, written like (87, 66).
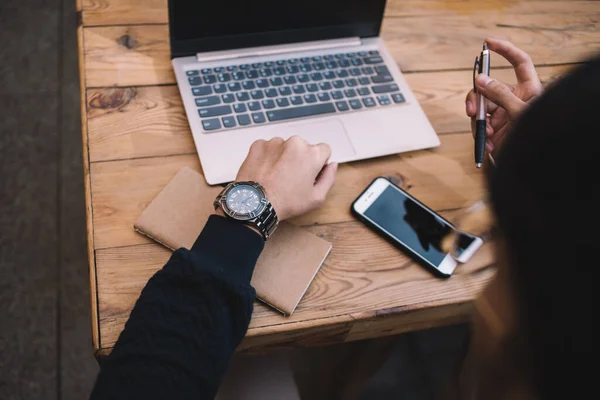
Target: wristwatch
(246, 202)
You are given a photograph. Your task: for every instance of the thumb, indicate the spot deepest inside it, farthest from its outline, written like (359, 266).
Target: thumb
(500, 94)
(325, 180)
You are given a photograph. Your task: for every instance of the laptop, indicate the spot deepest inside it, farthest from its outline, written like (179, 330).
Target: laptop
(249, 70)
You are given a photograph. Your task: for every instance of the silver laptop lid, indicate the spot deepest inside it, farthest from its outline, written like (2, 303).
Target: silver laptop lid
(202, 26)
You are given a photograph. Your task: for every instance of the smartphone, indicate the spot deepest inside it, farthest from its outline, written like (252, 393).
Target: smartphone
(412, 226)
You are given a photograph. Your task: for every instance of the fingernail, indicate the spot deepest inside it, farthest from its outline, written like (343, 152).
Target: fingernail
(489, 147)
(469, 107)
(482, 80)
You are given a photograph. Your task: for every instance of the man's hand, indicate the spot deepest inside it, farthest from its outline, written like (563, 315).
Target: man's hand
(505, 103)
(295, 174)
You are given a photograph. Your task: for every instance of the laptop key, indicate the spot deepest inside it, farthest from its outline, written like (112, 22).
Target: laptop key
(364, 80)
(316, 58)
(338, 84)
(258, 117)
(283, 102)
(305, 59)
(262, 83)
(355, 71)
(363, 91)
(211, 124)
(339, 55)
(269, 63)
(310, 98)
(257, 94)
(296, 100)
(303, 78)
(299, 112)
(268, 104)
(357, 62)
(290, 80)
(344, 63)
(229, 122)
(271, 92)
(208, 101)
(325, 85)
(305, 68)
(350, 93)
(220, 88)
(276, 81)
(234, 86)
(332, 65)
(192, 73)
(243, 119)
(232, 68)
(382, 78)
(398, 98)
(369, 102)
(382, 70)
(224, 77)
(239, 107)
(248, 85)
(362, 53)
(228, 98)
(293, 61)
(351, 54)
(253, 105)
(206, 71)
(298, 89)
(328, 57)
(336, 94)
(252, 74)
(373, 60)
(384, 100)
(265, 72)
(355, 104)
(242, 96)
(279, 71)
(292, 69)
(280, 62)
(341, 105)
(256, 65)
(316, 76)
(342, 73)
(312, 87)
(385, 88)
(318, 66)
(373, 53)
(351, 82)
(238, 76)
(323, 96)
(195, 80)
(201, 91)
(329, 75)
(214, 111)
(285, 91)
(245, 66)
(219, 69)
(367, 70)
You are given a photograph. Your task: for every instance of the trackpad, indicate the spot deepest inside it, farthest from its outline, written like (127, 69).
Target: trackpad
(331, 132)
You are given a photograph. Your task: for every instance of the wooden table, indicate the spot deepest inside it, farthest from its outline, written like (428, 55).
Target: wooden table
(136, 137)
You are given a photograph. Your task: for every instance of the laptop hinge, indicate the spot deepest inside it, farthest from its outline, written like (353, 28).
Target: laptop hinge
(278, 49)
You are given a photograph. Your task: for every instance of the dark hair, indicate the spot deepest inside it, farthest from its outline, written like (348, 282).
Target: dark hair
(544, 192)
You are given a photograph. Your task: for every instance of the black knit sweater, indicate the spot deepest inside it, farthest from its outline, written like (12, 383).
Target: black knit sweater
(188, 321)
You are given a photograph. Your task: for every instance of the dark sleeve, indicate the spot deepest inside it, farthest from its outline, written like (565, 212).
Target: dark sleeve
(188, 321)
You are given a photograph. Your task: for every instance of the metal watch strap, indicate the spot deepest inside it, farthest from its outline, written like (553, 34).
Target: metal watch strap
(267, 222)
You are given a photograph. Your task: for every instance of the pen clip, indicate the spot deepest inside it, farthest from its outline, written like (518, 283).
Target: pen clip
(476, 69)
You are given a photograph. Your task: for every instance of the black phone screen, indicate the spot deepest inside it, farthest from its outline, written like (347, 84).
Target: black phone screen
(413, 225)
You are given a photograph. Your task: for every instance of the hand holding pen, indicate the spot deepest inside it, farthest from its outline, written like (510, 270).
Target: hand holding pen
(504, 103)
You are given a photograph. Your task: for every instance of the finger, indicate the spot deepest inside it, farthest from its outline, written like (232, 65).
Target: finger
(322, 154)
(500, 94)
(325, 181)
(471, 104)
(519, 59)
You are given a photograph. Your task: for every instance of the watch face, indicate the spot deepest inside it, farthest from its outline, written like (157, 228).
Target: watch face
(244, 201)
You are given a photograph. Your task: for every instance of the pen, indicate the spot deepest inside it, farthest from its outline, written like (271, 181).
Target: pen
(480, 121)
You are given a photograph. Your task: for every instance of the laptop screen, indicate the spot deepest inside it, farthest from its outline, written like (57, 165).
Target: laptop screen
(199, 26)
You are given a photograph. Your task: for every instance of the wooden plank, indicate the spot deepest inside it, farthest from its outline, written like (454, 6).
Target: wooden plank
(137, 12)
(364, 277)
(444, 178)
(126, 123)
(139, 55)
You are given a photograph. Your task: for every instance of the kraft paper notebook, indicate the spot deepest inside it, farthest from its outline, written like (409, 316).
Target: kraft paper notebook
(287, 265)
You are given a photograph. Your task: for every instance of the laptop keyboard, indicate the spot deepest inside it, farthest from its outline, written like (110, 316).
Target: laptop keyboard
(260, 93)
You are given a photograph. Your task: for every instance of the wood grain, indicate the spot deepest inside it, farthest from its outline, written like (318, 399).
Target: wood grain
(443, 178)
(126, 123)
(137, 12)
(139, 55)
(363, 277)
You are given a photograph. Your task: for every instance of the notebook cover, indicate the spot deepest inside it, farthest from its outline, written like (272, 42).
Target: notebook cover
(287, 265)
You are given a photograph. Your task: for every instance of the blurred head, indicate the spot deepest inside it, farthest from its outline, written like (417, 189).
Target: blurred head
(544, 193)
